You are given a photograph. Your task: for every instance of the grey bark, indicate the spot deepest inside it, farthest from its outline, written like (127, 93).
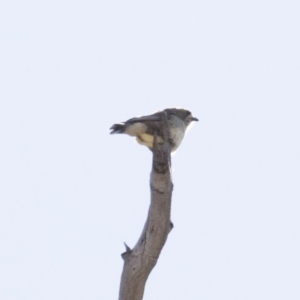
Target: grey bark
(139, 261)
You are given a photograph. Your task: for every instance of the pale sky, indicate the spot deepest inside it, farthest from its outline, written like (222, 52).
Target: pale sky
(71, 194)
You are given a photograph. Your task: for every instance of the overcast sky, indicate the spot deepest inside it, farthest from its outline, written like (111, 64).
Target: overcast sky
(71, 194)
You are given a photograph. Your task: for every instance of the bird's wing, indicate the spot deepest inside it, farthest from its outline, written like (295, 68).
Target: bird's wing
(151, 118)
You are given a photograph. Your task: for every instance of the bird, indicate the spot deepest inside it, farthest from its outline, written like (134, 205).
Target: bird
(144, 128)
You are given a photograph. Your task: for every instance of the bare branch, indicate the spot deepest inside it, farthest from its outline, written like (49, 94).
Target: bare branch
(139, 262)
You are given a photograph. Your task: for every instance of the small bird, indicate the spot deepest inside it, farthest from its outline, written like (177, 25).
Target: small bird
(144, 128)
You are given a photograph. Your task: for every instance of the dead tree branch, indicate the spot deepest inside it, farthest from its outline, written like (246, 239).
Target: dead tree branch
(139, 261)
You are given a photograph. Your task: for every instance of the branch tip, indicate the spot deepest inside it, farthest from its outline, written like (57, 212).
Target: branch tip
(171, 226)
(126, 254)
(128, 250)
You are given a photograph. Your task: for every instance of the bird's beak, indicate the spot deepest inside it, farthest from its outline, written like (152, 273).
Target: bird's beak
(195, 119)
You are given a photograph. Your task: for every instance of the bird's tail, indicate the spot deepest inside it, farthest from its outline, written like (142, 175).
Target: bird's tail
(117, 128)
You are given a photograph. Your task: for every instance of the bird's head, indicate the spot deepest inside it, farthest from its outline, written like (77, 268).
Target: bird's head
(185, 115)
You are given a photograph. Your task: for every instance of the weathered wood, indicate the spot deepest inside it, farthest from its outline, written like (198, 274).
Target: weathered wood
(139, 261)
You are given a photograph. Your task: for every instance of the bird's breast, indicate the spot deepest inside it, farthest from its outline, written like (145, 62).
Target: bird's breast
(177, 130)
(176, 136)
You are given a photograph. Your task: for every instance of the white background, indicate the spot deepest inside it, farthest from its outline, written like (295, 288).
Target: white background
(71, 194)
